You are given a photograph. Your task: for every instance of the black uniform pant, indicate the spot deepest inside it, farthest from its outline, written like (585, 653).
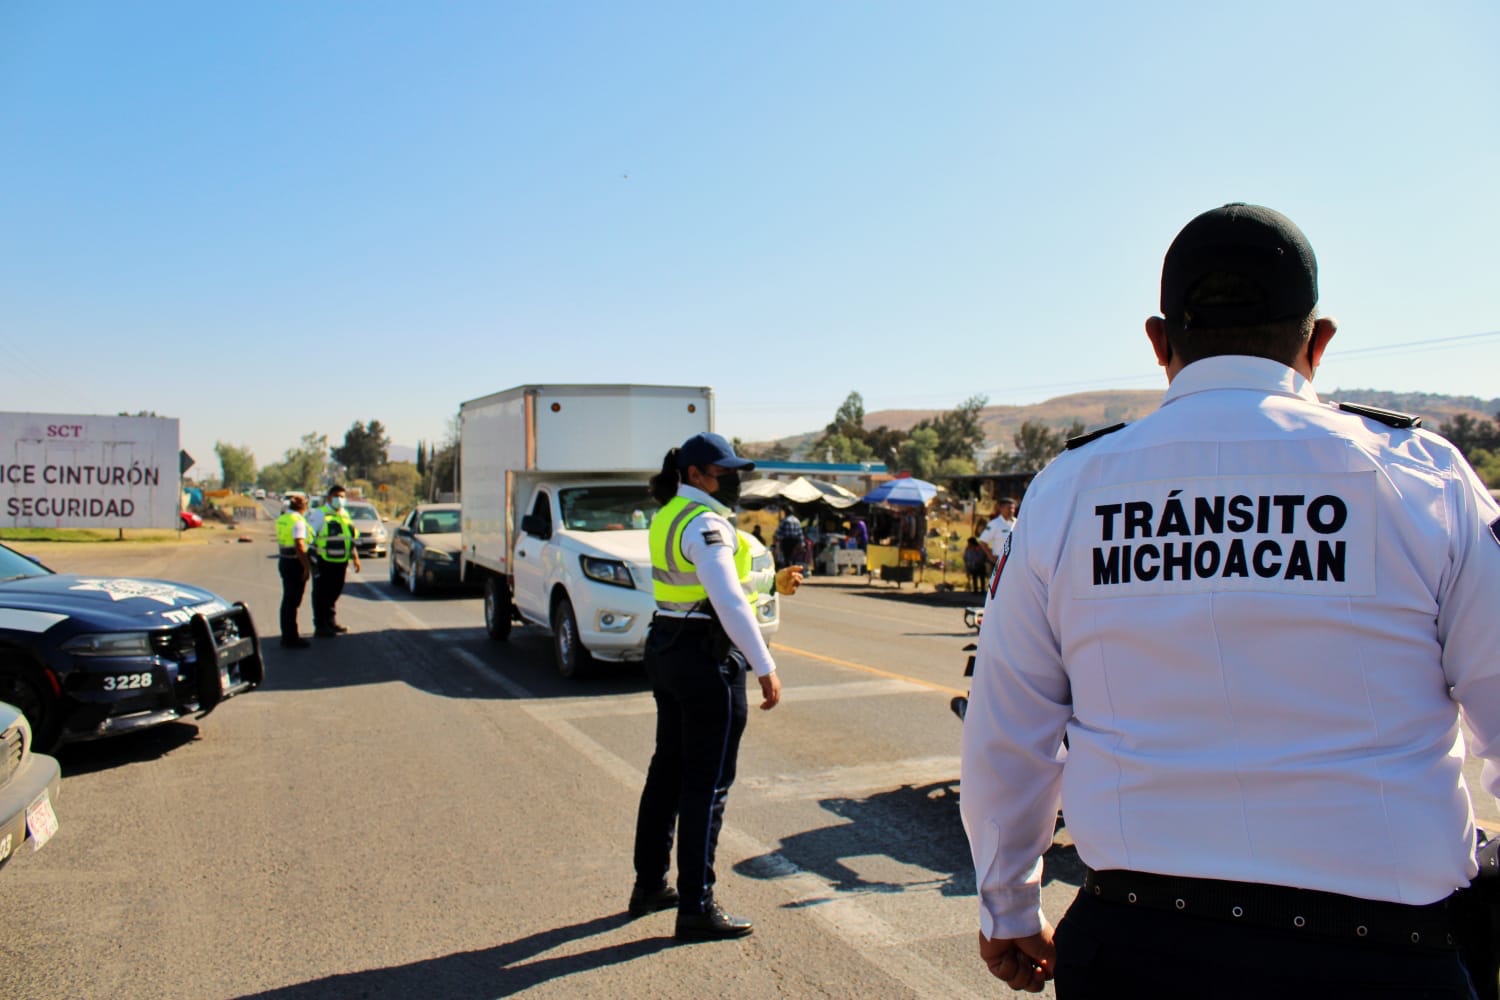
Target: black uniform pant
(293, 586)
(327, 585)
(1114, 951)
(700, 717)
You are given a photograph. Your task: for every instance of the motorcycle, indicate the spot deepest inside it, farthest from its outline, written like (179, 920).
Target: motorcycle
(973, 618)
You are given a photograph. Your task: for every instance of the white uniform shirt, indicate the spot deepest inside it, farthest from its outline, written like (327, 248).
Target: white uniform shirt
(995, 535)
(315, 518)
(709, 542)
(1254, 614)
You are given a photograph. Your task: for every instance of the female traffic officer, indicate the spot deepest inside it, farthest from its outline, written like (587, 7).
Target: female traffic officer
(701, 641)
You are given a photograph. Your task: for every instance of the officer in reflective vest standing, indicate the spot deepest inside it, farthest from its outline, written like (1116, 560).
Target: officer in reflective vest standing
(702, 641)
(333, 541)
(291, 541)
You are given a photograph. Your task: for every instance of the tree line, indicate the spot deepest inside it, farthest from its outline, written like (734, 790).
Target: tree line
(952, 443)
(362, 462)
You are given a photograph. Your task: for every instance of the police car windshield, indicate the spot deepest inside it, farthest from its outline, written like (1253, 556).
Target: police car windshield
(14, 566)
(606, 508)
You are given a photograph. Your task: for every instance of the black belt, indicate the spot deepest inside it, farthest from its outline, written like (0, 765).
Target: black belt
(1304, 911)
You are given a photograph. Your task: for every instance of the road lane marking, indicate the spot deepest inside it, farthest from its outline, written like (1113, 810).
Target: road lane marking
(854, 779)
(644, 704)
(866, 668)
(846, 915)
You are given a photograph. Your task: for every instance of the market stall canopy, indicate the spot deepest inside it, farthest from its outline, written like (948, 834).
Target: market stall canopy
(905, 492)
(799, 490)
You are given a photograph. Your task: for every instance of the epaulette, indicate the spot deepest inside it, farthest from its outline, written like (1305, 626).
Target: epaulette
(1083, 439)
(1391, 418)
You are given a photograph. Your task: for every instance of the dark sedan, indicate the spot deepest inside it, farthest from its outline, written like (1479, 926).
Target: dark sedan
(424, 549)
(90, 656)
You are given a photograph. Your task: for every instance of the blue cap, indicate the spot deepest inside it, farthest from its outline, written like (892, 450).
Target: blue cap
(710, 449)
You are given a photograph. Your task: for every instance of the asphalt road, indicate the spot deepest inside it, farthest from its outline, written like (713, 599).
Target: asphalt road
(416, 810)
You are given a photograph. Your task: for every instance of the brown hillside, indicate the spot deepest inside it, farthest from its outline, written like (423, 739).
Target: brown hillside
(1098, 409)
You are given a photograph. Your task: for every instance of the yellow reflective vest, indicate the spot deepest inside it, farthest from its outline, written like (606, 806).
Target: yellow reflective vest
(674, 580)
(286, 541)
(335, 539)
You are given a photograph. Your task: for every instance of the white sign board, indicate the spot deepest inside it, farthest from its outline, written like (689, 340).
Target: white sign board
(75, 471)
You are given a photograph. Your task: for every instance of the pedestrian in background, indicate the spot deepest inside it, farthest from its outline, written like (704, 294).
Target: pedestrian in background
(1256, 617)
(995, 534)
(976, 564)
(333, 548)
(789, 539)
(292, 536)
(701, 642)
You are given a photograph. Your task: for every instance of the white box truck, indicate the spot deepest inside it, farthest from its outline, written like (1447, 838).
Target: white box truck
(553, 482)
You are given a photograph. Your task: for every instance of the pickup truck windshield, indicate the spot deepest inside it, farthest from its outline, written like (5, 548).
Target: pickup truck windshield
(606, 508)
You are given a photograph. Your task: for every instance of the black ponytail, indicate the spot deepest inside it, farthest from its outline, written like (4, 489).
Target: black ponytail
(664, 484)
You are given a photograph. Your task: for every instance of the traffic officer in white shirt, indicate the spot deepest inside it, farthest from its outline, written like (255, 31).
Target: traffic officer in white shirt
(701, 641)
(995, 534)
(1258, 618)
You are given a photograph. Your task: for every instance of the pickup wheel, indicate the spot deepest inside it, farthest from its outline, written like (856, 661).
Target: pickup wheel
(26, 687)
(496, 607)
(567, 645)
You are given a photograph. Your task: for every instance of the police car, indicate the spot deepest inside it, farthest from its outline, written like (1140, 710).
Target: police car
(85, 657)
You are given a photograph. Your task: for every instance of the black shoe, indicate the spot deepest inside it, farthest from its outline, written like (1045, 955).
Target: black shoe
(296, 642)
(644, 900)
(710, 925)
(340, 629)
(324, 633)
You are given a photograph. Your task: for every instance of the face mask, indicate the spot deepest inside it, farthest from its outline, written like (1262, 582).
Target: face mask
(337, 502)
(728, 492)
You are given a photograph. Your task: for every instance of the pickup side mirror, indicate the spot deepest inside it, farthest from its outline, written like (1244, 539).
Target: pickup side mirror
(536, 527)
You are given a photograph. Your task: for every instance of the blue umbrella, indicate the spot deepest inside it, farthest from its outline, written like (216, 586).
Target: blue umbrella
(905, 492)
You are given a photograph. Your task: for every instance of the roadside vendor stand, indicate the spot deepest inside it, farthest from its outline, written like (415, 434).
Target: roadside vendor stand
(898, 536)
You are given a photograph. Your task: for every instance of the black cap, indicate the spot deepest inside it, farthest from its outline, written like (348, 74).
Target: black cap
(1249, 241)
(710, 449)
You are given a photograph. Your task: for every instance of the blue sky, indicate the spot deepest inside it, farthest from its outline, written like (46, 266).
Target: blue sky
(274, 218)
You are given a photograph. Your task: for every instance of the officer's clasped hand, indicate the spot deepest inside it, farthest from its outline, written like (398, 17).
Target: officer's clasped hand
(788, 580)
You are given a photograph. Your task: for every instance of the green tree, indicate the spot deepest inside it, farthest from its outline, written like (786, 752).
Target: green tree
(1486, 463)
(301, 468)
(421, 459)
(442, 464)
(960, 433)
(1036, 445)
(919, 453)
(237, 464)
(1469, 434)
(365, 448)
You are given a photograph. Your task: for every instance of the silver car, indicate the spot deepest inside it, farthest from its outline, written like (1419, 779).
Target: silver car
(374, 539)
(29, 783)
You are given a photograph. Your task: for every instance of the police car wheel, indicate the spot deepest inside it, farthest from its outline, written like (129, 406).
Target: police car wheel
(395, 573)
(567, 644)
(414, 580)
(496, 607)
(27, 690)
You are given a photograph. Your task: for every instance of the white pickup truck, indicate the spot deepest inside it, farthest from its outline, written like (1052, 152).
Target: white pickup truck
(553, 482)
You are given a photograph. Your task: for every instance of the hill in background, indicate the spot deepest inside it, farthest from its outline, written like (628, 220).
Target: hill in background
(1099, 409)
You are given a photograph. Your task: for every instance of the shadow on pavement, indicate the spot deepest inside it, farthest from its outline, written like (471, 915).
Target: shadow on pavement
(127, 748)
(442, 666)
(915, 826)
(501, 971)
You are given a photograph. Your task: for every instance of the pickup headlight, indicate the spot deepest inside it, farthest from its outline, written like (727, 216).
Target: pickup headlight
(610, 571)
(110, 644)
